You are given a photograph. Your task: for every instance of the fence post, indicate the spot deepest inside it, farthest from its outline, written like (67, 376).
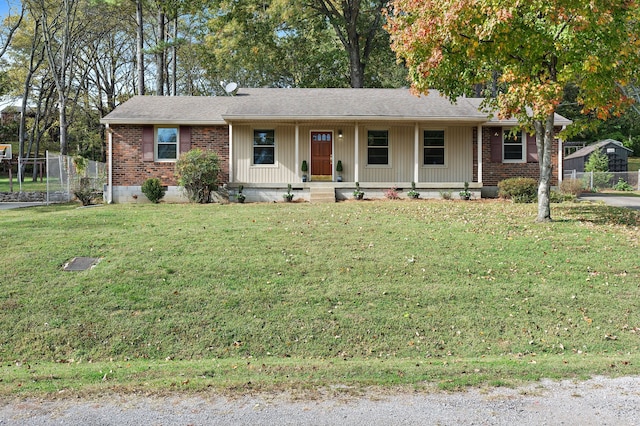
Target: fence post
(46, 156)
(573, 174)
(591, 184)
(638, 179)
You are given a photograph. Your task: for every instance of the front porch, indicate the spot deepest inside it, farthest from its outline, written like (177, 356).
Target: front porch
(316, 192)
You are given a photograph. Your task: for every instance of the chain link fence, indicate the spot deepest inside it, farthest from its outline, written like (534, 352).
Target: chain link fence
(605, 180)
(67, 175)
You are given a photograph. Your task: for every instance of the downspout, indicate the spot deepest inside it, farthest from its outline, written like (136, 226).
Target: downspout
(110, 160)
(479, 138)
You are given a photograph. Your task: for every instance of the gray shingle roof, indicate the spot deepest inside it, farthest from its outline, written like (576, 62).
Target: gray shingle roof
(558, 119)
(597, 145)
(297, 104)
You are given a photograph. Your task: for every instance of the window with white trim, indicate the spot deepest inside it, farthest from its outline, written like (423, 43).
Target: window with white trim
(166, 145)
(378, 147)
(513, 146)
(433, 148)
(264, 147)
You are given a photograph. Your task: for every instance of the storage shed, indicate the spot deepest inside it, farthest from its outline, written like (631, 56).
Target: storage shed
(618, 155)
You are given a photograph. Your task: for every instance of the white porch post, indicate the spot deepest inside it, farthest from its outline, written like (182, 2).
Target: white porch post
(231, 168)
(109, 165)
(297, 151)
(416, 153)
(479, 137)
(560, 157)
(356, 165)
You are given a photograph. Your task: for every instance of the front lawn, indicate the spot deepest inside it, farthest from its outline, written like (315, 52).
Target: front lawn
(264, 296)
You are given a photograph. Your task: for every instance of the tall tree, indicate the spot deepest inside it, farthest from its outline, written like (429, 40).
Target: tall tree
(304, 44)
(63, 29)
(537, 47)
(357, 23)
(12, 24)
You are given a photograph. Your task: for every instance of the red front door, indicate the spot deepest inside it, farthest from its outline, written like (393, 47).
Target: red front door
(321, 148)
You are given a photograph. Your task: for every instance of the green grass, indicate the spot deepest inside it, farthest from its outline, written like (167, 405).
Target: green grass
(27, 186)
(633, 164)
(265, 296)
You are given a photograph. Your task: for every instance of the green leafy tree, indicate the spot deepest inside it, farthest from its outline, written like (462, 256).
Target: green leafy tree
(531, 49)
(285, 43)
(598, 164)
(197, 173)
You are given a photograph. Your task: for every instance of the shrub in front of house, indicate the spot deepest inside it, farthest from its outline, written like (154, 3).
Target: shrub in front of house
(519, 189)
(197, 172)
(153, 190)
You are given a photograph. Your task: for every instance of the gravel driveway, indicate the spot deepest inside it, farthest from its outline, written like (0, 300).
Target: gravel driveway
(599, 401)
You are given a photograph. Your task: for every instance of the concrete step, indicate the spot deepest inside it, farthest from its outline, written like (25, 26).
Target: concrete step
(322, 194)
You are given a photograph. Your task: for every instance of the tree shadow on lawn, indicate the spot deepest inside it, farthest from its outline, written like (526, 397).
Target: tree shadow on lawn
(600, 214)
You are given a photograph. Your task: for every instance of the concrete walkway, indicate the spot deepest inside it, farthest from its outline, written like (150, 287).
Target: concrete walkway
(615, 200)
(8, 206)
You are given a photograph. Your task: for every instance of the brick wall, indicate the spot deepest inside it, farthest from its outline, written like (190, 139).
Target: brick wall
(492, 172)
(130, 170)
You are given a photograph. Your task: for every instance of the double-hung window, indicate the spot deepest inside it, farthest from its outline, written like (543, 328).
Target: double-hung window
(264, 147)
(514, 144)
(378, 147)
(166, 143)
(434, 148)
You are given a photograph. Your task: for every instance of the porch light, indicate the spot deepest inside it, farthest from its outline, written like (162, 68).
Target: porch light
(340, 133)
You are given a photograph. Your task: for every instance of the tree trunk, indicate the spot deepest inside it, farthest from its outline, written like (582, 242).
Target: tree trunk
(62, 108)
(174, 58)
(544, 144)
(140, 47)
(356, 68)
(160, 56)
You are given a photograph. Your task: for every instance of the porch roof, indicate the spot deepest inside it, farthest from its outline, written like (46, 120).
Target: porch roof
(350, 105)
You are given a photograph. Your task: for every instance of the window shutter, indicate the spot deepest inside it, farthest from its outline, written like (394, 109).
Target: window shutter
(147, 143)
(496, 144)
(532, 149)
(185, 139)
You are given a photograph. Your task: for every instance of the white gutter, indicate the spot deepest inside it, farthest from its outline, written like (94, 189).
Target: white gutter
(348, 118)
(157, 122)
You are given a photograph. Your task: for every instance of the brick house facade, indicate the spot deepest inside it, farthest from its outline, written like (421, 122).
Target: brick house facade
(494, 169)
(131, 170)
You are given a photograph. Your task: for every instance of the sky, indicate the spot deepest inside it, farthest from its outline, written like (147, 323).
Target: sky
(4, 7)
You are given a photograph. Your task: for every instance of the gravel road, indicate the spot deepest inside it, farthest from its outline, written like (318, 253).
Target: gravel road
(599, 401)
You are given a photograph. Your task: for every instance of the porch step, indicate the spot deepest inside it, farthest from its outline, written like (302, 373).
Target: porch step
(322, 194)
